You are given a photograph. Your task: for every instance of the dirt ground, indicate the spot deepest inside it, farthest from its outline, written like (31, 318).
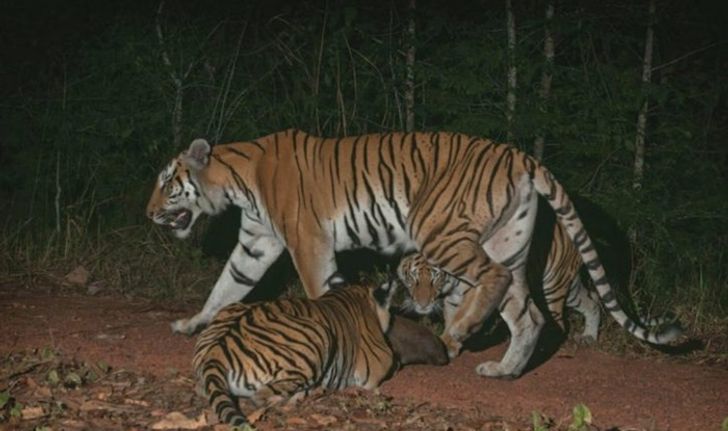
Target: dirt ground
(100, 362)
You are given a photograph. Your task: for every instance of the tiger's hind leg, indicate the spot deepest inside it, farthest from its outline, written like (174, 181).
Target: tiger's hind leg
(585, 302)
(510, 245)
(524, 321)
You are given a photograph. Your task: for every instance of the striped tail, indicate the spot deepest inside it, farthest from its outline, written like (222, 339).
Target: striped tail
(218, 391)
(547, 186)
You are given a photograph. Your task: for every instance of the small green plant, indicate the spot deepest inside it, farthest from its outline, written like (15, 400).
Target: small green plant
(540, 422)
(9, 406)
(724, 425)
(4, 400)
(581, 418)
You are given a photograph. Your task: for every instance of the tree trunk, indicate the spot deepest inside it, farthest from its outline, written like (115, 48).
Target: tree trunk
(512, 81)
(177, 81)
(639, 144)
(409, 83)
(547, 76)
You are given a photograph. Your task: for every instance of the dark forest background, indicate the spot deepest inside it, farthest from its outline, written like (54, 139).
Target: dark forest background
(97, 96)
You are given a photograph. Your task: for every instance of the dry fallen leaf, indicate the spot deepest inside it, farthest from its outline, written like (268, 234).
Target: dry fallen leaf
(136, 402)
(73, 424)
(94, 288)
(177, 420)
(32, 413)
(91, 405)
(323, 420)
(296, 421)
(78, 276)
(256, 415)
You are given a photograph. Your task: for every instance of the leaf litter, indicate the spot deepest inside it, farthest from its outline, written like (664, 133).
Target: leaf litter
(48, 390)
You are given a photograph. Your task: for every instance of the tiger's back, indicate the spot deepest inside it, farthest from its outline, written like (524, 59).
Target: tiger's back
(273, 350)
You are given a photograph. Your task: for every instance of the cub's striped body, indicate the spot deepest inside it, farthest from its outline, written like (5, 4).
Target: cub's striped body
(467, 204)
(430, 289)
(269, 351)
(562, 287)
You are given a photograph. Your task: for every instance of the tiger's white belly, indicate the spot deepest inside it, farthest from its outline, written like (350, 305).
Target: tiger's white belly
(359, 229)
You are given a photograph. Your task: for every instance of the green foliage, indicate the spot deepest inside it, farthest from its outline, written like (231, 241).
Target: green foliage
(539, 422)
(581, 418)
(9, 407)
(724, 425)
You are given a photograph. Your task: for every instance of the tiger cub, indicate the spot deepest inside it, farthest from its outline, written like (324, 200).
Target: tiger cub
(269, 351)
(430, 288)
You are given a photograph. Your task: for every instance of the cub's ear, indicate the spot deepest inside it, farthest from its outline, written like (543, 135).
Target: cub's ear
(198, 155)
(403, 267)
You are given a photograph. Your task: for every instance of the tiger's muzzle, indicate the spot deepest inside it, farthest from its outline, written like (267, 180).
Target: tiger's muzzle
(176, 220)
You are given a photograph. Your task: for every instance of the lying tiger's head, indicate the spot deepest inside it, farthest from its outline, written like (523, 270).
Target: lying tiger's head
(425, 283)
(178, 197)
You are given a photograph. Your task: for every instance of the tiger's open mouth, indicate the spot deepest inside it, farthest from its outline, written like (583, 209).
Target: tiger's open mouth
(178, 220)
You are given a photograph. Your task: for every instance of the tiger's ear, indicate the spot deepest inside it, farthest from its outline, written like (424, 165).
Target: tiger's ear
(404, 263)
(198, 155)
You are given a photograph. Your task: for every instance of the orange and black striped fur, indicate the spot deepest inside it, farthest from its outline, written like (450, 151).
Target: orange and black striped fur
(467, 204)
(270, 351)
(431, 289)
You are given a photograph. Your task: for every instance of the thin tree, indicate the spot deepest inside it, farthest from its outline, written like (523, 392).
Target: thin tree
(178, 80)
(639, 143)
(547, 75)
(409, 82)
(512, 70)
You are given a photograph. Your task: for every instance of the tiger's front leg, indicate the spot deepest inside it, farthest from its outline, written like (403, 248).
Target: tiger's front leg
(460, 321)
(316, 265)
(483, 285)
(252, 256)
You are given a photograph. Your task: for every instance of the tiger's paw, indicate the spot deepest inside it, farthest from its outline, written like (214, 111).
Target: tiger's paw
(186, 326)
(585, 340)
(494, 370)
(453, 346)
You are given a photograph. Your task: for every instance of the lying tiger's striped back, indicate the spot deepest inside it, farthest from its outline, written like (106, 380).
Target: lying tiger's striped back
(272, 350)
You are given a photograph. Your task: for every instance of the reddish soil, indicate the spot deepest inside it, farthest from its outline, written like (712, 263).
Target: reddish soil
(656, 393)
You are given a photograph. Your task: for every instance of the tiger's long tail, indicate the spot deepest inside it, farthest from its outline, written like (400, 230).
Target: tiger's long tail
(548, 187)
(217, 389)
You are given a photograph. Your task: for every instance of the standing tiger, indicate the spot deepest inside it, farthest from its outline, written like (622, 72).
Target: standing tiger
(270, 351)
(430, 288)
(467, 204)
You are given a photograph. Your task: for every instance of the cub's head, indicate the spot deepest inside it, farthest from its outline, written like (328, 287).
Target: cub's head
(425, 283)
(178, 197)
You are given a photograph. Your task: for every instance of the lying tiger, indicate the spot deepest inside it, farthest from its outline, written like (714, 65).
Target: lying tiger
(467, 204)
(430, 289)
(270, 351)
